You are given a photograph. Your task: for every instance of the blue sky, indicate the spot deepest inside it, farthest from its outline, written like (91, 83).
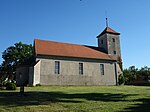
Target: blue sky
(78, 22)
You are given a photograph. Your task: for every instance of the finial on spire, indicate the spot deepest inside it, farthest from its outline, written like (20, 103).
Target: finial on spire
(106, 22)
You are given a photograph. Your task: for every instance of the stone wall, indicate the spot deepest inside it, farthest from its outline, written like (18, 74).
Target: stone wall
(36, 74)
(113, 46)
(69, 72)
(108, 45)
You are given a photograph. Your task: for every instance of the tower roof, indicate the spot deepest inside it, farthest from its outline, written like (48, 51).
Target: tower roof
(108, 30)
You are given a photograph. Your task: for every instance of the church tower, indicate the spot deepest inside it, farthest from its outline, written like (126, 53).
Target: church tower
(109, 42)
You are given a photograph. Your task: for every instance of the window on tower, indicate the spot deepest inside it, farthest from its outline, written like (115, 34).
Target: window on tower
(102, 41)
(114, 52)
(113, 39)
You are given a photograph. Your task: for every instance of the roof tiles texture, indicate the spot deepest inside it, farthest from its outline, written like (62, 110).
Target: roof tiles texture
(51, 48)
(109, 30)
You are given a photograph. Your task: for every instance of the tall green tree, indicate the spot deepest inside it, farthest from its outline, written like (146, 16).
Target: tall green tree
(15, 55)
(145, 73)
(130, 74)
(133, 74)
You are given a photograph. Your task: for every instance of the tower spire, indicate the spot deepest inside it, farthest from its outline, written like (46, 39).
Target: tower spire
(106, 19)
(106, 22)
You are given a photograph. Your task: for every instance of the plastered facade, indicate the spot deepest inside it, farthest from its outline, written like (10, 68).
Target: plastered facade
(69, 72)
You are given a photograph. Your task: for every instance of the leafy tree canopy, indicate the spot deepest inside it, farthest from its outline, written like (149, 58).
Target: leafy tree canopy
(14, 56)
(134, 74)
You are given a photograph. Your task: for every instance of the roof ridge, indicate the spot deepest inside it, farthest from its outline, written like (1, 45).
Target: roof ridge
(59, 42)
(111, 30)
(108, 30)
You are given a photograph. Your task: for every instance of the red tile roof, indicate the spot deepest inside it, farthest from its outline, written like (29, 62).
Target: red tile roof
(51, 48)
(109, 30)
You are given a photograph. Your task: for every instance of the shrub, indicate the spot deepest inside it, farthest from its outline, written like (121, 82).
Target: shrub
(1, 84)
(121, 79)
(10, 86)
(38, 84)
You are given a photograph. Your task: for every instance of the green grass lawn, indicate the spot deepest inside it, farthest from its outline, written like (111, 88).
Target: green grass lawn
(77, 99)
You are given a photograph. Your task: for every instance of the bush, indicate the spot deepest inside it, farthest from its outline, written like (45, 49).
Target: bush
(38, 84)
(1, 84)
(10, 86)
(121, 79)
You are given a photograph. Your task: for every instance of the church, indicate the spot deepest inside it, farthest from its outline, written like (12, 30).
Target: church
(58, 63)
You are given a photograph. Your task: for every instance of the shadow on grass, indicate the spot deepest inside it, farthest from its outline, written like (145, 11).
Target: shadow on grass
(143, 105)
(44, 98)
